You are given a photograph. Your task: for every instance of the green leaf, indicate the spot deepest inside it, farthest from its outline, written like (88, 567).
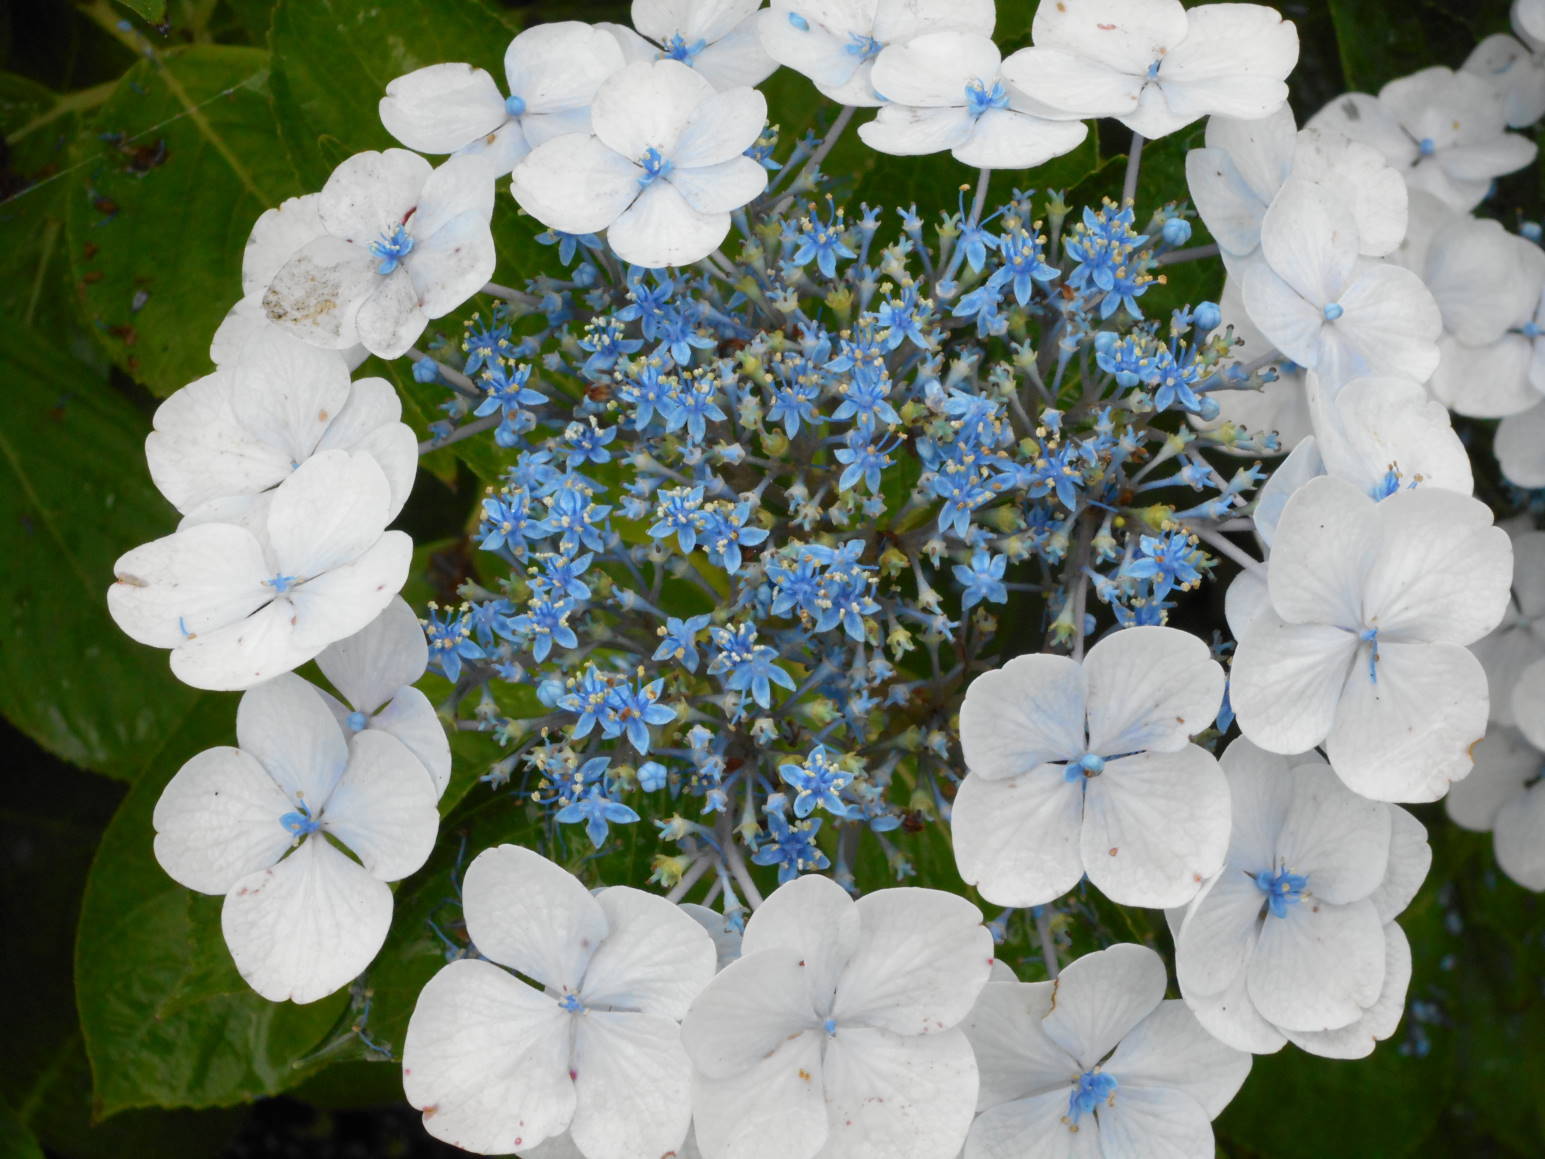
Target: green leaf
(168, 1021)
(177, 166)
(72, 462)
(151, 11)
(16, 1141)
(334, 58)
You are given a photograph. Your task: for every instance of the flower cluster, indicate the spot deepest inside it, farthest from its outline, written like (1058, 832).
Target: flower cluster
(817, 525)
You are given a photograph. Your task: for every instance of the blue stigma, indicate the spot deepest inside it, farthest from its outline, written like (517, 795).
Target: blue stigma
(281, 583)
(182, 626)
(572, 1004)
(1386, 486)
(391, 249)
(1153, 69)
(979, 98)
(676, 48)
(1084, 767)
(1427, 146)
(1093, 1089)
(830, 1026)
(799, 22)
(655, 166)
(1281, 889)
(515, 106)
(863, 47)
(301, 822)
(1332, 311)
(1371, 636)
(1531, 329)
(357, 721)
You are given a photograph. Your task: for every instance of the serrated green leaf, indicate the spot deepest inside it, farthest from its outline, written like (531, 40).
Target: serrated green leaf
(176, 167)
(72, 462)
(168, 1021)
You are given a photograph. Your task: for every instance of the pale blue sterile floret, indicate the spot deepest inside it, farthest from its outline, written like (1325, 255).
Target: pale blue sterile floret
(1093, 1088)
(391, 248)
(1282, 889)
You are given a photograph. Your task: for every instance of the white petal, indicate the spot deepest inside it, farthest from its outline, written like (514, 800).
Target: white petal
(486, 1059)
(816, 45)
(719, 188)
(906, 132)
(241, 655)
(1378, 425)
(371, 666)
(1520, 447)
(1322, 551)
(1520, 841)
(655, 959)
(342, 601)
(1292, 323)
(1232, 1019)
(1033, 1128)
(1156, 826)
(933, 70)
(1504, 763)
(633, 1085)
(1528, 698)
(1378, 1022)
(199, 451)
(1486, 381)
(1013, 1054)
(1410, 857)
(384, 807)
(1287, 681)
(1073, 84)
(526, 913)
(217, 821)
(722, 127)
(276, 235)
(285, 394)
(1009, 139)
(1406, 735)
(1234, 60)
(1310, 242)
(1304, 462)
(1150, 688)
(327, 514)
(177, 587)
(286, 726)
(753, 1006)
(1246, 598)
(813, 916)
(1231, 208)
(1140, 1122)
(1319, 967)
(307, 926)
(412, 719)
(559, 65)
(648, 106)
(1367, 119)
(772, 1110)
(889, 1094)
(662, 229)
(370, 194)
(1218, 933)
(451, 264)
(1018, 717)
(575, 184)
(1100, 997)
(1442, 571)
(390, 318)
(1125, 34)
(1391, 322)
(1339, 840)
(923, 955)
(440, 108)
(316, 294)
(1484, 279)
(1017, 840)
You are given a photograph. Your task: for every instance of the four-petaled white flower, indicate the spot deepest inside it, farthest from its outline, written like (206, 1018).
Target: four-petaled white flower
(373, 670)
(718, 38)
(1155, 66)
(1327, 307)
(1088, 768)
(552, 70)
(661, 169)
(1363, 646)
(836, 42)
(591, 1045)
(1295, 939)
(1515, 72)
(404, 243)
(1445, 131)
(248, 426)
(1504, 794)
(257, 823)
(239, 605)
(836, 1033)
(1095, 1063)
(947, 93)
(1382, 435)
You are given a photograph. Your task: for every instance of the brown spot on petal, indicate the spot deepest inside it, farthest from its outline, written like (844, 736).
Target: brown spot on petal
(431, 1110)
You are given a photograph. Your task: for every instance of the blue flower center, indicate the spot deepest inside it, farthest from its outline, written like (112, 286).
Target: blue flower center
(655, 166)
(1153, 70)
(1386, 486)
(357, 721)
(281, 583)
(677, 48)
(980, 98)
(1371, 636)
(1531, 329)
(391, 248)
(301, 823)
(861, 46)
(1088, 765)
(1093, 1088)
(572, 1004)
(1282, 889)
(515, 106)
(1333, 310)
(830, 1026)
(1427, 146)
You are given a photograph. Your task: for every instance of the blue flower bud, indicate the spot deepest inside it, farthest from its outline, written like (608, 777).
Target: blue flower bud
(1206, 317)
(1176, 231)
